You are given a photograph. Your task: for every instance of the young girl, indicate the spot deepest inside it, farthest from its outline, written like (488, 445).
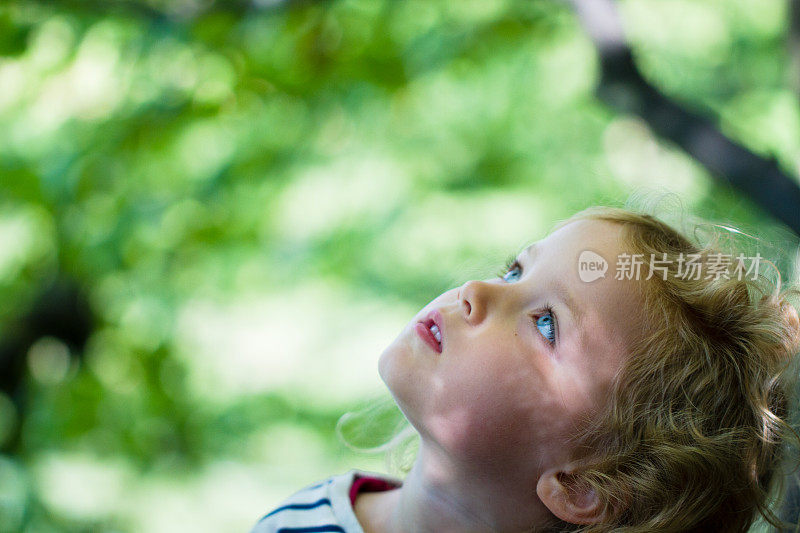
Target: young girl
(616, 377)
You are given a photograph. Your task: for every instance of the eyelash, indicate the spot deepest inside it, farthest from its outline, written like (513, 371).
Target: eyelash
(512, 263)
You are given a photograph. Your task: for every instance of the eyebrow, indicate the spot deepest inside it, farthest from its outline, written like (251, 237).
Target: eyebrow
(560, 289)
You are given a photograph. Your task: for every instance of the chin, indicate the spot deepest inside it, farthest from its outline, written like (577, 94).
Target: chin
(384, 366)
(390, 366)
(393, 369)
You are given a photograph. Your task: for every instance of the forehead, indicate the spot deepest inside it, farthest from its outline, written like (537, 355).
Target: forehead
(586, 234)
(564, 247)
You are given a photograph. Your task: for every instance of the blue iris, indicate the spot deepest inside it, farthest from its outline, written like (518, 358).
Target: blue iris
(513, 274)
(546, 325)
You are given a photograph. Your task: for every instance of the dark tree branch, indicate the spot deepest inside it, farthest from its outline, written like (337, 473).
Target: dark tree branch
(623, 87)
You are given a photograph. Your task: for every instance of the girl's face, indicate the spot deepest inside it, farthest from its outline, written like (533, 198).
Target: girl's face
(523, 358)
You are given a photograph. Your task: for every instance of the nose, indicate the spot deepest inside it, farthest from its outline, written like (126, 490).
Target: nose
(475, 297)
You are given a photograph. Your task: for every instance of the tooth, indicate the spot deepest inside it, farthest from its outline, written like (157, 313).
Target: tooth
(438, 336)
(434, 329)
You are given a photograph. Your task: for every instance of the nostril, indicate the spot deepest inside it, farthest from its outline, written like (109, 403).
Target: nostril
(468, 307)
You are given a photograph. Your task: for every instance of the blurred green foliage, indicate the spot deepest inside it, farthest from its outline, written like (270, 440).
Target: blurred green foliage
(255, 196)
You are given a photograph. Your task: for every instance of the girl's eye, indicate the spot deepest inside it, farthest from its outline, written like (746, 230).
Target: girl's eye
(547, 326)
(512, 272)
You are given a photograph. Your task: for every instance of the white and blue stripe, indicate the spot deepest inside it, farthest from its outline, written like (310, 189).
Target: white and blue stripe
(321, 508)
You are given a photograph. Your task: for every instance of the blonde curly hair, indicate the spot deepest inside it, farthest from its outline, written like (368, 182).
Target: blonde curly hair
(697, 425)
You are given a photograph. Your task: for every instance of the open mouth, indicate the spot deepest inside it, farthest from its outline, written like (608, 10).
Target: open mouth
(429, 331)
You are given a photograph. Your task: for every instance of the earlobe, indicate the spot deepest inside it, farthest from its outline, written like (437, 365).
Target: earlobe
(568, 498)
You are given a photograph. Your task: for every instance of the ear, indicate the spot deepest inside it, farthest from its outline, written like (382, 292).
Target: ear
(568, 498)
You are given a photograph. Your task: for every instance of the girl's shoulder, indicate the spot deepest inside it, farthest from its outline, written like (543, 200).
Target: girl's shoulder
(325, 506)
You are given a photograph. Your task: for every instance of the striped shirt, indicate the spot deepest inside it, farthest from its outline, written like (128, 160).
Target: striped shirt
(324, 507)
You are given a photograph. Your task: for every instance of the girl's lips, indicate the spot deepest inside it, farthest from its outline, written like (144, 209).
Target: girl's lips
(423, 329)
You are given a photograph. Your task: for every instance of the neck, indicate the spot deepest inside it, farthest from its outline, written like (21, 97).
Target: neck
(439, 496)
